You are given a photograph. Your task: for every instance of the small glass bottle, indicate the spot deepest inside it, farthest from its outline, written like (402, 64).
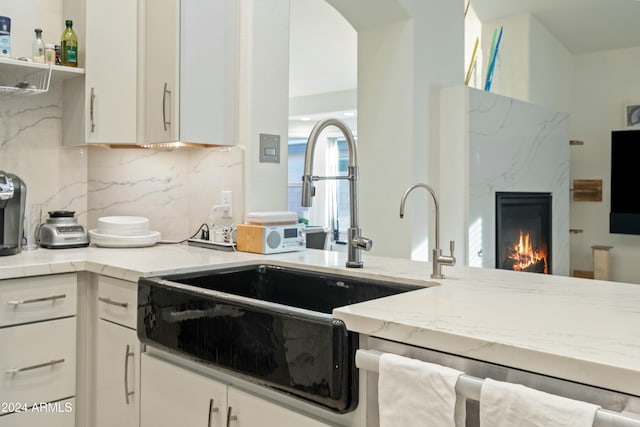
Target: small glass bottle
(38, 47)
(69, 46)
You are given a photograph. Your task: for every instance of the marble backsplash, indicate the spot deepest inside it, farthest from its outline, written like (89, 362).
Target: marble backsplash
(30, 147)
(174, 189)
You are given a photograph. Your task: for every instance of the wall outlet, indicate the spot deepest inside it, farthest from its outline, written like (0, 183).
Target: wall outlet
(227, 202)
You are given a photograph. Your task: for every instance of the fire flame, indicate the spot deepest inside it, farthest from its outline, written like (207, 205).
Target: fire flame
(524, 256)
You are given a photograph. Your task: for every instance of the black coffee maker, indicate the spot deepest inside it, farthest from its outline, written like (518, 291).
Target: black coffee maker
(13, 196)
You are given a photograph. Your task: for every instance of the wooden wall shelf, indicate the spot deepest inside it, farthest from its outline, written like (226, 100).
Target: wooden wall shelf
(587, 190)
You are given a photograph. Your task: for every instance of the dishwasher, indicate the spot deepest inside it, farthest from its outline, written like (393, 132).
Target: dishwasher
(618, 409)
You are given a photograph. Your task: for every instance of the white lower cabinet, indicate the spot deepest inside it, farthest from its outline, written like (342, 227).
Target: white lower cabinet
(172, 395)
(38, 351)
(38, 362)
(117, 379)
(247, 410)
(34, 299)
(117, 358)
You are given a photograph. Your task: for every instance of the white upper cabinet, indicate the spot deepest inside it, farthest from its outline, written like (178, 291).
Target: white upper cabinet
(111, 63)
(190, 71)
(161, 71)
(102, 106)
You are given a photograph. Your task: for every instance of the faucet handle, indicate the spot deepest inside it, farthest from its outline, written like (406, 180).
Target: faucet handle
(362, 243)
(308, 190)
(452, 259)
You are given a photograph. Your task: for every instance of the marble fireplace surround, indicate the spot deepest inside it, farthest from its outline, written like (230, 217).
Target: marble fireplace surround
(492, 143)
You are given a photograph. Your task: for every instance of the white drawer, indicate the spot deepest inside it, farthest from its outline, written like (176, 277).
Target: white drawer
(118, 301)
(31, 299)
(38, 361)
(56, 414)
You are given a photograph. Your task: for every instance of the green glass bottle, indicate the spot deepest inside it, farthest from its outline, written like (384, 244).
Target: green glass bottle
(69, 46)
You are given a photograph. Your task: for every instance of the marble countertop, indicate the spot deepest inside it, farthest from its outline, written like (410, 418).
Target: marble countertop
(577, 329)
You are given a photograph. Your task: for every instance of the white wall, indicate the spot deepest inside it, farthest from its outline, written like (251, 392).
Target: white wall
(263, 99)
(532, 65)
(603, 83)
(29, 15)
(323, 49)
(400, 71)
(551, 69)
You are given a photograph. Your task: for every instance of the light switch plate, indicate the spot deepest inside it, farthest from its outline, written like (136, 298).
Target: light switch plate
(269, 148)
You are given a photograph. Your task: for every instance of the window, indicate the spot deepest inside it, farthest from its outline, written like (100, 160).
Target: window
(297, 147)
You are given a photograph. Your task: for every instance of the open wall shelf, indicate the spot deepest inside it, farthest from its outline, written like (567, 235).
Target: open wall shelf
(29, 78)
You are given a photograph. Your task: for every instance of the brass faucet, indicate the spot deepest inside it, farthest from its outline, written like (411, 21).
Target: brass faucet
(438, 259)
(355, 241)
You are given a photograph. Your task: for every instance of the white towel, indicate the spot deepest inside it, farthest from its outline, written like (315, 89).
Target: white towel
(416, 393)
(513, 405)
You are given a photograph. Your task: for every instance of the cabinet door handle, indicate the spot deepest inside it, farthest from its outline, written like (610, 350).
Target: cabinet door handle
(230, 417)
(212, 410)
(112, 302)
(166, 123)
(93, 97)
(31, 301)
(32, 367)
(127, 393)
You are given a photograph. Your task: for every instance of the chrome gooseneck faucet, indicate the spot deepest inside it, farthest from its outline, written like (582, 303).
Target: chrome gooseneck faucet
(438, 259)
(355, 241)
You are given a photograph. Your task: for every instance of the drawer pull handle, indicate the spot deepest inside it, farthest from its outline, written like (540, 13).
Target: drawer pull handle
(165, 123)
(93, 98)
(39, 365)
(230, 417)
(31, 301)
(112, 302)
(127, 393)
(212, 410)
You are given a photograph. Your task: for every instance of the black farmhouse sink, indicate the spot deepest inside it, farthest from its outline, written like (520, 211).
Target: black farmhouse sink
(271, 325)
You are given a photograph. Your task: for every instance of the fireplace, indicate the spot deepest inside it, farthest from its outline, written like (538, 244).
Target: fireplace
(523, 231)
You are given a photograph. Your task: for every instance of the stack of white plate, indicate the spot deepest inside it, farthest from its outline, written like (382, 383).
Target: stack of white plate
(123, 232)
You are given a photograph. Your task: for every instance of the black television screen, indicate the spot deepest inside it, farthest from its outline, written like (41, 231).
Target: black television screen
(625, 169)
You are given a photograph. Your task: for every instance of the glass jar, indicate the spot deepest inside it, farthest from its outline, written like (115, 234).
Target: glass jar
(38, 47)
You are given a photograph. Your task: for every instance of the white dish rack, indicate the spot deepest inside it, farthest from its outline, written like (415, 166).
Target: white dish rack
(33, 83)
(35, 76)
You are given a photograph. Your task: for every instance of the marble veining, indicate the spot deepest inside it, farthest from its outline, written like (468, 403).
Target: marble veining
(16, 125)
(174, 189)
(30, 147)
